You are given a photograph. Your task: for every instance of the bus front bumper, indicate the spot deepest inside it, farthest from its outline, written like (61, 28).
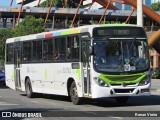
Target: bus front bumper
(117, 91)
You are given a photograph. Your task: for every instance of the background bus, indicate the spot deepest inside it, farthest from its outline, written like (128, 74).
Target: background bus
(92, 61)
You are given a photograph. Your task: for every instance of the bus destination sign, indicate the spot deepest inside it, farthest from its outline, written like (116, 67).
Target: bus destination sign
(119, 32)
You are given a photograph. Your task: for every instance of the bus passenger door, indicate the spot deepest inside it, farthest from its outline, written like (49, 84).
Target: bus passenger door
(86, 67)
(17, 58)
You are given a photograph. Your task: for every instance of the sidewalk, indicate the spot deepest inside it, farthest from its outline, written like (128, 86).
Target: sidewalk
(155, 86)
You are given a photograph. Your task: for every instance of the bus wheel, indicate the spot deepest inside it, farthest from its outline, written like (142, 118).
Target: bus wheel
(121, 100)
(28, 88)
(74, 94)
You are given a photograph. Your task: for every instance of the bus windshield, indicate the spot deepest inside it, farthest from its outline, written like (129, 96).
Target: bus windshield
(121, 55)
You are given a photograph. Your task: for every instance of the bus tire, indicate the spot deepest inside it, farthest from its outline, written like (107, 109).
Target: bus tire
(28, 89)
(121, 100)
(74, 94)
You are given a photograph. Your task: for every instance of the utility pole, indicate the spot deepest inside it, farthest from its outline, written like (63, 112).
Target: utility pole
(140, 13)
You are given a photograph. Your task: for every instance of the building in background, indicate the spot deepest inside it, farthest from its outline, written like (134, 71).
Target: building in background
(154, 1)
(128, 7)
(87, 4)
(95, 5)
(31, 3)
(154, 59)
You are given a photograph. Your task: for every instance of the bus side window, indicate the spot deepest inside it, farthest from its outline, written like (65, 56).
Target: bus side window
(73, 48)
(60, 49)
(26, 55)
(48, 50)
(9, 58)
(37, 50)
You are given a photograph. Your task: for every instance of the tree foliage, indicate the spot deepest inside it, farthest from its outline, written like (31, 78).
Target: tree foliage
(60, 3)
(56, 3)
(4, 34)
(29, 25)
(155, 6)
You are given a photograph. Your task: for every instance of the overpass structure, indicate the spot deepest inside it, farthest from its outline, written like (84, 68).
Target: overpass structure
(84, 16)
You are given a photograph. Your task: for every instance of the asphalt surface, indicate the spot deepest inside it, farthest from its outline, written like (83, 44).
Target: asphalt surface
(52, 107)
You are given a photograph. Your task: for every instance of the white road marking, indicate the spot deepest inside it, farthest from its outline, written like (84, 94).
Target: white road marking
(7, 104)
(117, 117)
(34, 101)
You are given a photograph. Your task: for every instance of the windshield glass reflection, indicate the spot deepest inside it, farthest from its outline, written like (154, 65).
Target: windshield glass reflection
(120, 55)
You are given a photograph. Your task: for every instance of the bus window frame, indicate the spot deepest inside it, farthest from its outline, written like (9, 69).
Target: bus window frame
(53, 59)
(74, 35)
(81, 40)
(22, 61)
(37, 61)
(54, 49)
(12, 43)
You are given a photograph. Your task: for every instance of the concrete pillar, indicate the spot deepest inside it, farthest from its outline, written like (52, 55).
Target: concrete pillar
(92, 20)
(104, 20)
(140, 13)
(53, 22)
(144, 2)
(155, 61)
(123, 6)
(14, 20)
(66, 22)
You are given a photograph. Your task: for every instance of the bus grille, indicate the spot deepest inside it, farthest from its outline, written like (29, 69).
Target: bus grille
(121, 84)
(123, 78)
(123, 90)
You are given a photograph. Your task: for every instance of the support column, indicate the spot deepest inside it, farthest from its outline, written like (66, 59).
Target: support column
(53, 22)
(155, 61)
(14, 20)
(144, 2)
(123, 6)
(104, 20)
(92, 20)
(140, 13)
(66, 22)
(79, 20)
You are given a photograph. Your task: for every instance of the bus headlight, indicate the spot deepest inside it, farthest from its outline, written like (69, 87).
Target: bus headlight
(145, 81)
(101, 82)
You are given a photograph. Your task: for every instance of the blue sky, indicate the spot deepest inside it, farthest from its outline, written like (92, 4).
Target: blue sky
(7, 3)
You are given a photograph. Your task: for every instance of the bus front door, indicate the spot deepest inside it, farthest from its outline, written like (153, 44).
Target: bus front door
(86, 67)
(17, 58)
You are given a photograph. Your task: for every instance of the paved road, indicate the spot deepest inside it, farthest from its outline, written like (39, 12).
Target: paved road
(56, 105)
(155, 85)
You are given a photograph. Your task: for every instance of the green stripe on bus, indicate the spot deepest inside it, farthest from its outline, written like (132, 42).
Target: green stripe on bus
(78, 73)
(117, 25)
(119, 79)
(67, 32)
(12, 76)
(45, 74)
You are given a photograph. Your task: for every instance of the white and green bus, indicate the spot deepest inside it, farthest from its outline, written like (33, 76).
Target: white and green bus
(94, 61)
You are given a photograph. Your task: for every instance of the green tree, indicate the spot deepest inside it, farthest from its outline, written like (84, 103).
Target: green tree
(56, 3)
(29, 25)
(4, 35)
(155, 6)
(60, 3)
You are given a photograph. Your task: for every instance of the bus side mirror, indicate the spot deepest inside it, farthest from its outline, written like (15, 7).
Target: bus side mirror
(91, 51)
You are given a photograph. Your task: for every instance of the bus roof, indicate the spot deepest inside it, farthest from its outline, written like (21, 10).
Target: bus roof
(81, 29)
